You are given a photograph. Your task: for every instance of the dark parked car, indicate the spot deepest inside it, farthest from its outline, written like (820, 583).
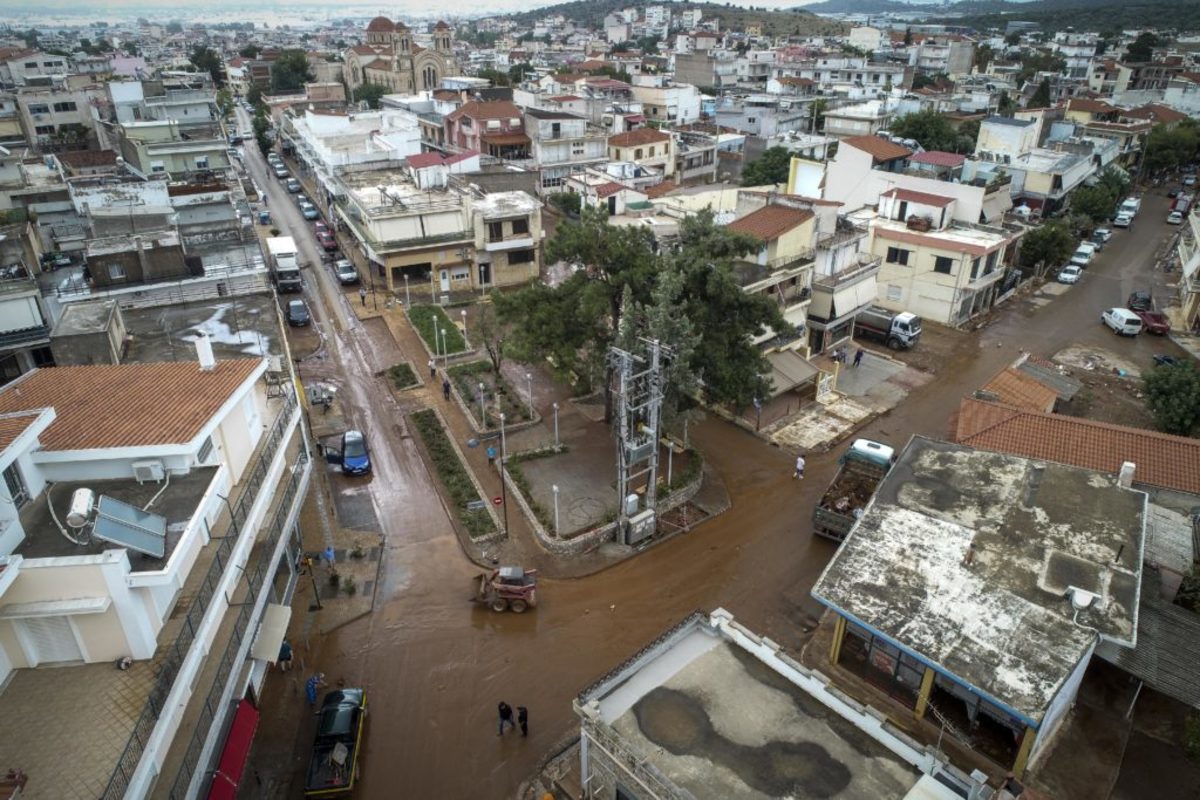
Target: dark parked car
(326, 240)
(1140, 301)
(297, 313)
(1162, 360)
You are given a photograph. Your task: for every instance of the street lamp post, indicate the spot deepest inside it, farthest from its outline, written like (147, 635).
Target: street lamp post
(407, 297)
(557, 529)
(503, 485)
(464, 321)
(437, 344)
(445, 349)
(482, 412)
(529, 392)
(556, 424)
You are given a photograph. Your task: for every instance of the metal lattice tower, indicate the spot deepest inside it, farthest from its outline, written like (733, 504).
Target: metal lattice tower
(639, 407)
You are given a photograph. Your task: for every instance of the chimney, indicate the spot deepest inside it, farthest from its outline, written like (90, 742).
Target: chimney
(1125, 476)
(204, 352)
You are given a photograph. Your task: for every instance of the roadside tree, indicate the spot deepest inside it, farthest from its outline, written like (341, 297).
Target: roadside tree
(1173, 394)
(1048, 245)
(771, 167)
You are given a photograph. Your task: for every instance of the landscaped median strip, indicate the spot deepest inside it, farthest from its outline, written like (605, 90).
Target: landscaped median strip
(425, 318)
(448, 465)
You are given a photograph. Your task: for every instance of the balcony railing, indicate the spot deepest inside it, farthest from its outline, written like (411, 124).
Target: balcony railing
(867, 265)
(177, 651)
(24, 336)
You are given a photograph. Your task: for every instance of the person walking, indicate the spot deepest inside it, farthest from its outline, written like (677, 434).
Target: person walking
(311, 686)
(799, 473)
(445, 388)
(858, 356)
(523, 719)
(505, 711)
(432, 368)
(285, 656)
(362, 295)
(491, 454)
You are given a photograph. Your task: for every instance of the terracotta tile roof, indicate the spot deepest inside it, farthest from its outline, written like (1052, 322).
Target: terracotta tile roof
(565, 98)
(637, 137)
(457, 157)
(770, 222)
(1171, 462)
(659, 190)
(924, 198)
(568, 77)
(606, 189)
(879, 148)
(422, 160)
(1155, 113)
(88, 158)
(1089, 106)
(13, 425)
(939, 158)
(490, 109)
(1015, 388)
(126, 405)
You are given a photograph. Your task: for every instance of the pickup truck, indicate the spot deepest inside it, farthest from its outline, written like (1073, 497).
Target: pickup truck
(1154, 322)
(862, 468)
(333, 768)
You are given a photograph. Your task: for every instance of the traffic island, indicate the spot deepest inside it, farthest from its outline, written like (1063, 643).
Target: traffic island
(442, 337)
(485, 394)
(403, 377)
(467, 503)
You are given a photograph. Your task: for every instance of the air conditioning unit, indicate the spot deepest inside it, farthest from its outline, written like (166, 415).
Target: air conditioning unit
(147, 471)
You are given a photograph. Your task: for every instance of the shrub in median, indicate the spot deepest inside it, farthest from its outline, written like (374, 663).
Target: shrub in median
(453, 474)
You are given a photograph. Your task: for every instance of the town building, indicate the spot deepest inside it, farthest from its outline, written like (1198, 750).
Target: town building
(647, 148)
(561, 144)
(978, 586)
(741, 694)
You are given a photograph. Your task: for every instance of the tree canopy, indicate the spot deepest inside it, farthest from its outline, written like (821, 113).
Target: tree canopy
(1099, 200)
(1142, 48)
(494, 76)
(1173, 394)
(933, 132)
(1049, 244)
(290, 71)
(625, 289)
(1167, 148)
(207, 60)
(371, 93)
(773, 166)
(1041, 97)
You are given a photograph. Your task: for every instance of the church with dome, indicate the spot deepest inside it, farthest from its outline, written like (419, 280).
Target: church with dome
(389, 57)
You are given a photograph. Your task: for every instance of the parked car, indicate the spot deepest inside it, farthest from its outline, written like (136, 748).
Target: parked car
(1139, 301)
(297, 314)
(264, 217)
(1123, 220)
(293, 185)
(1163, 360)
(309, 211)
(1173, 193)
(1100, 237)
(1122, 321)
(281, 171)
(1189, 180)
(352, 455)
(319, 226)
(325, 238)
(302, 200)
(345, 272)
(1070, 274)
(1083, 254)
(1174, 218)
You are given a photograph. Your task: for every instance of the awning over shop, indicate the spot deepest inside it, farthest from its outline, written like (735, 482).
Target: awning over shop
(271, 632)
(235, 753)
(831, 307)
(789, 370)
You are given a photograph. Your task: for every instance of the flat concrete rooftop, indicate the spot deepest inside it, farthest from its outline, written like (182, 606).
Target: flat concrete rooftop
(718, 722)
(177, 503)
(1002, 623)
(237, 327)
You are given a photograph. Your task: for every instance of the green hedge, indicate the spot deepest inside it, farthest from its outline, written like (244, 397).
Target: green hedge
(467, 378)
(453, 474)
(402, 376)
(424, 318)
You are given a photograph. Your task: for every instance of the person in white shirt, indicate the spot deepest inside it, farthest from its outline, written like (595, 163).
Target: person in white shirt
(799, 473)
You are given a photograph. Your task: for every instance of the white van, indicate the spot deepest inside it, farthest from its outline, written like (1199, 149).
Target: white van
(1083, 254)
(1122, 321)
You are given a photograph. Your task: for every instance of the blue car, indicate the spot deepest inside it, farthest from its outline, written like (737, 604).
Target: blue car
(355, 458)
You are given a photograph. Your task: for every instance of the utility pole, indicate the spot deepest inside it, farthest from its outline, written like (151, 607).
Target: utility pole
(639, 407)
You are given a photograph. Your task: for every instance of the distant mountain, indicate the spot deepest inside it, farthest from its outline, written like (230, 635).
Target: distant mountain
(591, 13)
(964, 7)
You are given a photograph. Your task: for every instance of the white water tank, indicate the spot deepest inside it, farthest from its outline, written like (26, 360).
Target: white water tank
(82, 501)
(204, 351)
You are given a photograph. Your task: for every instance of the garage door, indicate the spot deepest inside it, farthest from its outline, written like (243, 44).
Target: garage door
(51, 640)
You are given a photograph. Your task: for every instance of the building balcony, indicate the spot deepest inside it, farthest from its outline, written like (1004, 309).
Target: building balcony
(522, 242)
(865, 266)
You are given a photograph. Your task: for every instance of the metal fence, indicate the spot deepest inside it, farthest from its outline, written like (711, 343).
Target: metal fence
(175, 653)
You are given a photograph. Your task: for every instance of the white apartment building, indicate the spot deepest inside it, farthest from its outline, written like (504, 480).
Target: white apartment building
(673, 104)
(562, 144)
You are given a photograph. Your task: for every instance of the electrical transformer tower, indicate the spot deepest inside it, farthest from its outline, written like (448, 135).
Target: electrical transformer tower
(639, 414)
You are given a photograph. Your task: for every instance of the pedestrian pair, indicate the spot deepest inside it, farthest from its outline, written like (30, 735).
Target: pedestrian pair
(506, 718)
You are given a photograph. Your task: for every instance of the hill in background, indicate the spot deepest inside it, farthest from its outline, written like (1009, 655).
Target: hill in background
(591, 13)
